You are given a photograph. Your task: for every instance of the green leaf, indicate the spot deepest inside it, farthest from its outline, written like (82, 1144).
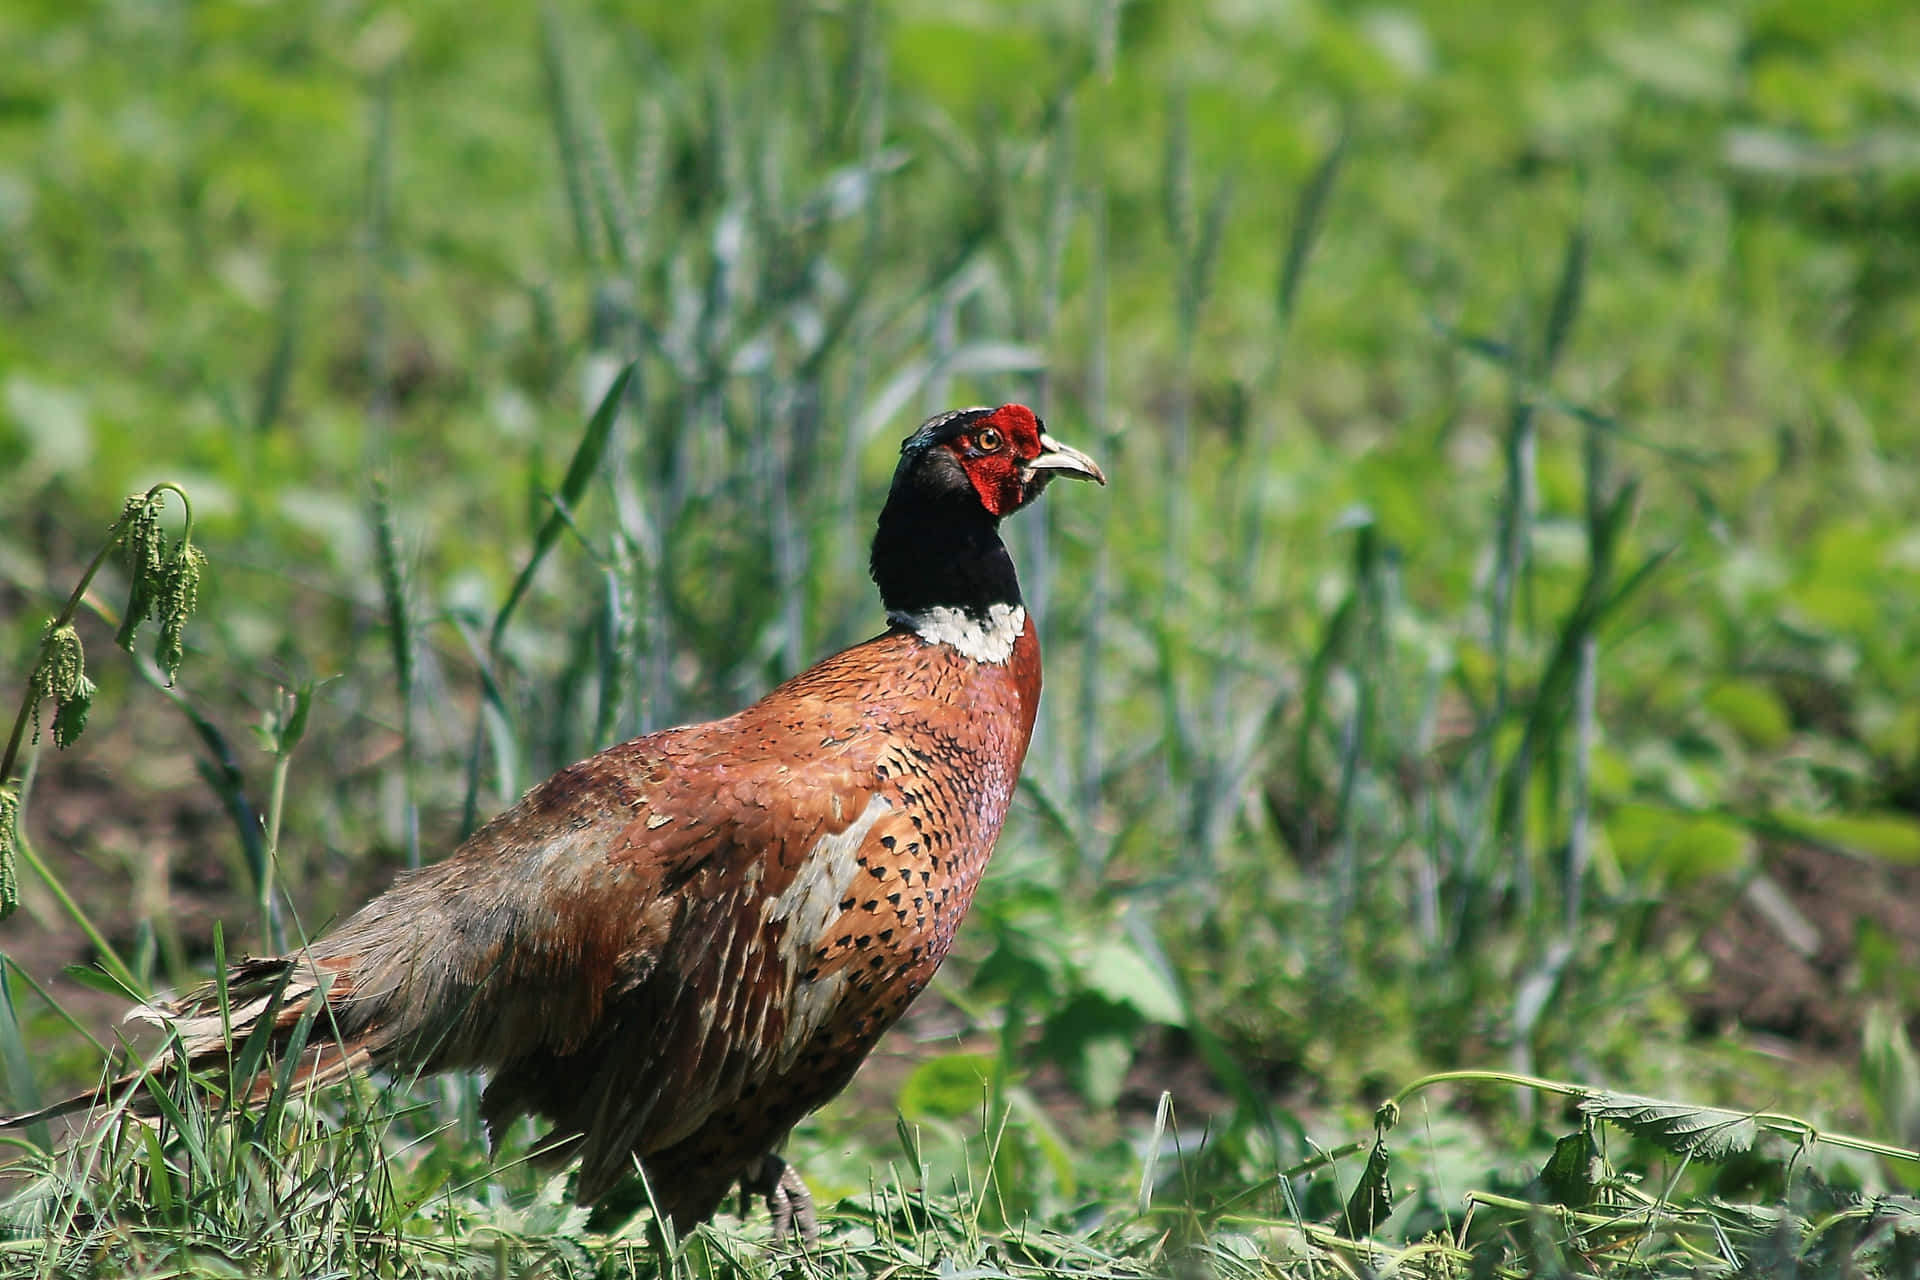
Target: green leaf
(1017, 968)
(16, 1059)
(1046, 1139)
(1371, 1202)
(1892, 837)
(1101, 1072)
(159, 1173)
(1566, 307)
(1573, 1172)
(70, 714)
(1706, 1133)
(1753, 710)
(296, 727)
(96, 979)
(1691, 56)
(1118, 972)
(1685, 846)
(946, 1088)
(1094, 1038)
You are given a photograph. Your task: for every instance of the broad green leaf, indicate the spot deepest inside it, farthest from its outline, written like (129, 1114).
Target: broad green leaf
(1015, 967)
(1573, 1172)
(1692, 56)
(1102, 1070)
(1706, 1133)
(946, 1088)
(16, 1060)
(1046, 1139)
(1894, 837)
(1753, 710)
(88, 976)
(1371, 1202)
(1672, 842)
(1094, 1039)
(1120, 973)
(52, 422)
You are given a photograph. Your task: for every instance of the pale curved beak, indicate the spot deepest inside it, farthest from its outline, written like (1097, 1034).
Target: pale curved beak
(1065, 460)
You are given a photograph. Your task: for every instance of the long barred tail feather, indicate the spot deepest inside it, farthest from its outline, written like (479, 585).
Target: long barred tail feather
(269, 996)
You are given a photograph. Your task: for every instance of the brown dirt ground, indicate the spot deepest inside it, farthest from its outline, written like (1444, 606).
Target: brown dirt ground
(1787, 958)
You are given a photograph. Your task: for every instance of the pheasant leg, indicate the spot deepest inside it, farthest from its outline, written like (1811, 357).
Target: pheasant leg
(789, 1202)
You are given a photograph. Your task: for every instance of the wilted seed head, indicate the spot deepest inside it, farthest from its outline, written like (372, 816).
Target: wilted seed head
(70, 714)
(9, 841)
(146, 563)
(60, 675)
(179, 595)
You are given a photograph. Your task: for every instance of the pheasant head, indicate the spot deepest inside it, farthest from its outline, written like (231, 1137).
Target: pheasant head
(937, 555)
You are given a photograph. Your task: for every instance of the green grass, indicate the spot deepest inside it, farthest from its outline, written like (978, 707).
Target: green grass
(1510, 553)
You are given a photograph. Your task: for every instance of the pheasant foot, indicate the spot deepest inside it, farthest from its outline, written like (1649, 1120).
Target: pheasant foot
(789, 1202)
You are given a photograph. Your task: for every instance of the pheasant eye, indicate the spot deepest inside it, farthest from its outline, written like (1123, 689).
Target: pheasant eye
(987, 440)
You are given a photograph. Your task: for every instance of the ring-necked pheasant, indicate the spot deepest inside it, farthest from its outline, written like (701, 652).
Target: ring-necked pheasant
(677, 948)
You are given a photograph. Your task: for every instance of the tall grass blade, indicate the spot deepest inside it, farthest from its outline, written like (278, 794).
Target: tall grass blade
(580, 472)
(193, 1133)
(403, 644)
(291, 1052)
(1579, 848)
(1162, 1112)
(377, 345)
(1309, 214)
(220, 770)
(23, 1092)
(276, 377)
(1567, 295)
(623, 225)
(244, 1067)
(573, 162)
(614, 641)
(1089, 714)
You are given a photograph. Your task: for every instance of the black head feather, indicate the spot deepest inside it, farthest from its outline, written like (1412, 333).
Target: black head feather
(936, 545)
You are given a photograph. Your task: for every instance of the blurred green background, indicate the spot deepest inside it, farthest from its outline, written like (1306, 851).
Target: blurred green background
(1498, 648)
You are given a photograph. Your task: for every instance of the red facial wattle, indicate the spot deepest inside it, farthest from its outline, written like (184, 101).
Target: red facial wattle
(998, 473)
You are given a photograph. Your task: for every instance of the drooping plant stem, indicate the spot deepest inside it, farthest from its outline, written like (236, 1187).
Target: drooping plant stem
(72, 606)
(276, 803)
(1772, 1121)
(73, 695)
